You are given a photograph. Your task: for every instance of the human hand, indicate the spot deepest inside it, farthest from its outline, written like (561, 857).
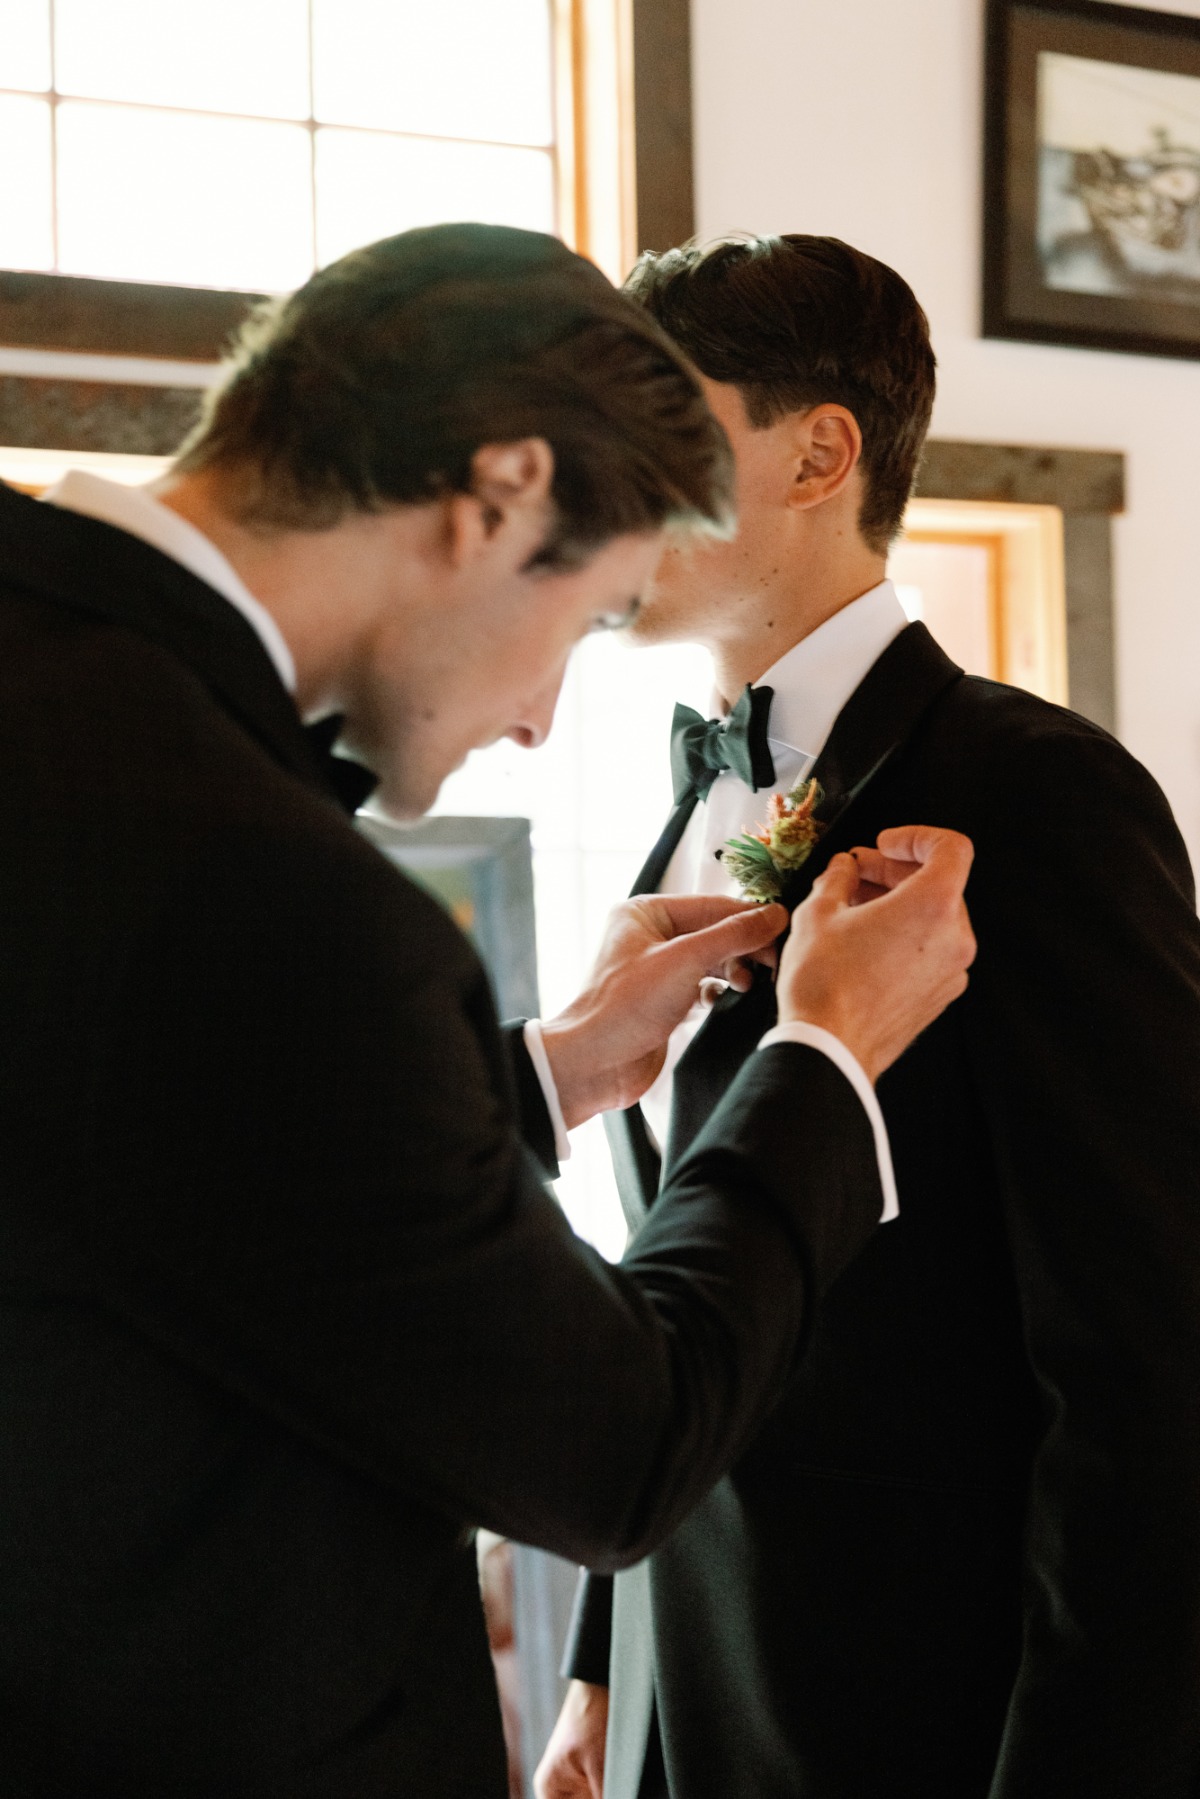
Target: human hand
(882, 944)
(608, 1046)
(573, 1765)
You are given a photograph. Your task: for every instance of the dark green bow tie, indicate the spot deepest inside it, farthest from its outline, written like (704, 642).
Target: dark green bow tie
(702, 747)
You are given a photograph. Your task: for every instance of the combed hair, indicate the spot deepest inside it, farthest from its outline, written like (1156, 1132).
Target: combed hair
(796, 322)
(377, 381)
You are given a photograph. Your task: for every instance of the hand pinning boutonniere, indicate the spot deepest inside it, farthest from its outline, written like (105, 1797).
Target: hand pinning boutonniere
(759, 861)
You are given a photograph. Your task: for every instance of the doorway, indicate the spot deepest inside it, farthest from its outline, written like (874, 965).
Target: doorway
(987, 578)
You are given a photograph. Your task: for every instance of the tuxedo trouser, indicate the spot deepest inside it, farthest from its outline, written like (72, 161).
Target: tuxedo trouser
(654, 1774)
(633, 1763)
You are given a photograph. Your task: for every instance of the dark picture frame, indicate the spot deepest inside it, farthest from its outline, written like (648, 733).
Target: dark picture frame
(192, 324)
(1092, 177)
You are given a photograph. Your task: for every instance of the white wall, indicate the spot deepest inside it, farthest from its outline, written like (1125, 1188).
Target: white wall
(863, 119)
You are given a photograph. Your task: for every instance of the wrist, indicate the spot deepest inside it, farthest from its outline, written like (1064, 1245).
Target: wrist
(583, 1089)
(832, 1019)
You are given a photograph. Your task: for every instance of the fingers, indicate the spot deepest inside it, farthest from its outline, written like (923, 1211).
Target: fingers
(679, 914)
(948, 851)
(880, 871)
(878, 974)
(738, 974)
(929, 864)
(744, 932)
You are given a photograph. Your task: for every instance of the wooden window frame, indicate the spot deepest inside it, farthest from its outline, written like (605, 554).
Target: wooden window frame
(1026, 581)
(609, 55)
(118, 318)
(651, 77)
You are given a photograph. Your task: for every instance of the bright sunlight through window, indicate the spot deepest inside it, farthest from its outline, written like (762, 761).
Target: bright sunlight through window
(239, 143)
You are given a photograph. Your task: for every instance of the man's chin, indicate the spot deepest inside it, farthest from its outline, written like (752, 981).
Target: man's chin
(651, 627)
(644, 626)
(401, 802)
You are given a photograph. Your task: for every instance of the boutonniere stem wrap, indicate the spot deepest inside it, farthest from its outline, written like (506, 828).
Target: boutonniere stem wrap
(760, 861)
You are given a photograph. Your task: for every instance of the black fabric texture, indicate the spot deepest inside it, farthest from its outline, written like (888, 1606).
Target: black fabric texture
(961, 1560)
(285, 1307)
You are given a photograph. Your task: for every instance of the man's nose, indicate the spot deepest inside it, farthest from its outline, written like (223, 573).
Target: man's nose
(527, 736)
(537, 716)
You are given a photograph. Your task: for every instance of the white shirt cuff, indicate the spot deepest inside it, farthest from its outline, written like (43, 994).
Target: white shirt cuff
(541, 1067)
(836, 1050)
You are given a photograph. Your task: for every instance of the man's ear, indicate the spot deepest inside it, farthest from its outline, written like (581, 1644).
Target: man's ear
(828, 450)
(510, 497)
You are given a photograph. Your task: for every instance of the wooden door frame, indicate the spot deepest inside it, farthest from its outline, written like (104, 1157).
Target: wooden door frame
(1088, 487)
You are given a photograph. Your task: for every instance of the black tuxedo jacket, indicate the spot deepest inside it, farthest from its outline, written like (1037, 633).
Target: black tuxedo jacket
(284, 1305)
(962, 1557)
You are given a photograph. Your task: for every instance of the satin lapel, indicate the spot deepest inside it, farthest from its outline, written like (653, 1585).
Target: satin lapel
(636, 1163)
(655, 866)
(872, 727)
(92, 567)
(869, 732)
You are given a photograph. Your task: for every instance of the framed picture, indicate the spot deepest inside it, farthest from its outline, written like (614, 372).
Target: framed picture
(1092, 176)
(481, 869)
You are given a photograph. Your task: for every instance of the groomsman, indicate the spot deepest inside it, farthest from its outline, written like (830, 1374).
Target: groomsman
(962, 1556)
(285, 1307)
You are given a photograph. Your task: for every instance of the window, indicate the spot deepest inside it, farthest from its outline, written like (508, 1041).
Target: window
(238, 145)
(175, 155)
(234, 145)
(597, 794)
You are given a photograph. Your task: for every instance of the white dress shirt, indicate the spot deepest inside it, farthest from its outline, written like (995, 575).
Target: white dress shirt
(811, 684)
(134, 509)
(817, 677)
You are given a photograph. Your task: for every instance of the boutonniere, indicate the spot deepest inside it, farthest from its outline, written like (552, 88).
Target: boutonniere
(761, 860)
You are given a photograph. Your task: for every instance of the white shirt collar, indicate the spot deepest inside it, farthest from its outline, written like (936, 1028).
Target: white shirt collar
(815, 678)
(135, 510)
(811, 683)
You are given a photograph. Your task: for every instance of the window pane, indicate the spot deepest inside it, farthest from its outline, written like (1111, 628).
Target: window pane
(25, 44)
(25, 237)
(225, 56)
(160, 196)
(456, 68)
(370, 186)
(596, 801)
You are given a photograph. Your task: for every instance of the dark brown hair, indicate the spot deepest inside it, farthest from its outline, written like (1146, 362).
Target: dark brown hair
(796, 322)
(375, 384)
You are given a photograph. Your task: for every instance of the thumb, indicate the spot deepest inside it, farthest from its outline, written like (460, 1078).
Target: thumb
(707, 951)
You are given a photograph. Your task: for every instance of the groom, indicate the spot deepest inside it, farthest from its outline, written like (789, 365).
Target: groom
(963, 1556)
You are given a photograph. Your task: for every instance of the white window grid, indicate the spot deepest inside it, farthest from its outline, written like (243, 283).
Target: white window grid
(312, 123)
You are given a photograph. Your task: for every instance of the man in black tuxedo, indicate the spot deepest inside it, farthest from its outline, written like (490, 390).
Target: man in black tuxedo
(285, 1308)
(962, 1557)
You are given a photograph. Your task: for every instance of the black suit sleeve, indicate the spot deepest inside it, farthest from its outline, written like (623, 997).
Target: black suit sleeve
(1084, 1022)
(309, 1185)
(589, 1631)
